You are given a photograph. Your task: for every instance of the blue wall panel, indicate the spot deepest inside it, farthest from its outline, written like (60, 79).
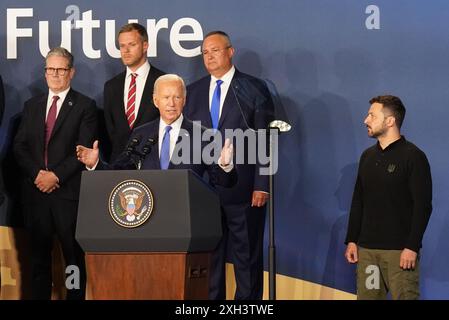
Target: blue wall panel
(326, 65)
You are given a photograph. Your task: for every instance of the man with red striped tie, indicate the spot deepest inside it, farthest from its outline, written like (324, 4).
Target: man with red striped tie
(128, 99)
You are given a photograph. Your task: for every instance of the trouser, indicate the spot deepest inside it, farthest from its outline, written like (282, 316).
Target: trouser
(243, 228)
(378, 273)
(55, 216)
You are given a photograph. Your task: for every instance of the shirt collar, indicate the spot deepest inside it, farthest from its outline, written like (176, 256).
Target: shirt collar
(141, 71)
(392, 145)
(61, 94)
(227, 77)
(176, 125)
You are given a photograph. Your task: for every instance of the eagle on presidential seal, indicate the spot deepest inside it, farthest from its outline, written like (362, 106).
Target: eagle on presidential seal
(131, 203)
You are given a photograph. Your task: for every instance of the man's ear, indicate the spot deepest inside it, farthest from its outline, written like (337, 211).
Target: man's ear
(146, 45)
(155, 101)
(72, 72)
(391, 121)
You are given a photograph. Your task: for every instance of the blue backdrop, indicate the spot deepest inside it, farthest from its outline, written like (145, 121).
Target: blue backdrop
(327, 59)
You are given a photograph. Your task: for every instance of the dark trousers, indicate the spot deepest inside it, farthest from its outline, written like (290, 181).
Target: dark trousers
(243, 228)
(45, 219)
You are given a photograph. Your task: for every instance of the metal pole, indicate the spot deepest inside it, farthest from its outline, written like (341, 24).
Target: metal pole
(271, 244)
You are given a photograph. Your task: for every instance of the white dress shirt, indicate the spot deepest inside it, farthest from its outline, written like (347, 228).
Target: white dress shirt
(174, 133)
(59, 103)
(227, 78)
(141, 79)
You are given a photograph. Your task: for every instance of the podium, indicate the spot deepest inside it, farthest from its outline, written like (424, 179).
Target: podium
(167, 256)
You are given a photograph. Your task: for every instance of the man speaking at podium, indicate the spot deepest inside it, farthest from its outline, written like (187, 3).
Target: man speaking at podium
(168, 134)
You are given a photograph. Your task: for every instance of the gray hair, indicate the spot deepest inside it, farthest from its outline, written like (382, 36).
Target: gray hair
(220, 33)
(170, 77)
(61, 52)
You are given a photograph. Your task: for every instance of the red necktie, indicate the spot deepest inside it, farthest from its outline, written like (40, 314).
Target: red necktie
(130, 106)
(51, 119)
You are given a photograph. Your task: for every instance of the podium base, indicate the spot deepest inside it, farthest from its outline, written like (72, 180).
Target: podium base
(147, 276)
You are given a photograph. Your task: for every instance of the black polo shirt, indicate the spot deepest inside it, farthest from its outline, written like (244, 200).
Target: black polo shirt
(392, 199)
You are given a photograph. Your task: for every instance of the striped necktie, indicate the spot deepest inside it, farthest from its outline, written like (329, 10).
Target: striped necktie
(130, 106)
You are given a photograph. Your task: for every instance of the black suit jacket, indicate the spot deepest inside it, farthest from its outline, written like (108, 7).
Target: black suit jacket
(76, 124)
(2, 99)
(2, 109)
(248, 104)
(147, 135)
(114, 109)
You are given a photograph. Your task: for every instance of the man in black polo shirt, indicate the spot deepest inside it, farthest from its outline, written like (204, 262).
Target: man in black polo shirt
(390, 209)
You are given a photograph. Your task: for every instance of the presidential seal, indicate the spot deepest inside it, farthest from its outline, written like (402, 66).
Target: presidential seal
(130, 203)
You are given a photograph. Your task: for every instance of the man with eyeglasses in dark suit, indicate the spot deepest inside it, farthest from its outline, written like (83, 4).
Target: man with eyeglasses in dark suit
(51, 126)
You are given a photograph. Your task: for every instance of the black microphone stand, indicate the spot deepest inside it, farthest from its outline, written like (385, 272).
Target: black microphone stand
(271, 243)
(146, 149)
(277, 126)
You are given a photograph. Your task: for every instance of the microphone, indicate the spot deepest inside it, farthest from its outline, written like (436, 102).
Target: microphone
(148, 146)
(126, 158)
(146, 149)
(132, 144)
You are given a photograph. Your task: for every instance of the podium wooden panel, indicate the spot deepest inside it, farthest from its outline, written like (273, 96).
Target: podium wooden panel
(148, 276)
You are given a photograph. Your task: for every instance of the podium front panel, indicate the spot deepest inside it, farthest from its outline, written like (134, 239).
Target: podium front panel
(185, 218)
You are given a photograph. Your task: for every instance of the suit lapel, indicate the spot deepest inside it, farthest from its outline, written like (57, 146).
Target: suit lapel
(186, 129)
(119, 97)
(152, 159)
(67, 105)
(154, 156)
(230, 101)
(147, 96)
(40, 121)
(205, 117)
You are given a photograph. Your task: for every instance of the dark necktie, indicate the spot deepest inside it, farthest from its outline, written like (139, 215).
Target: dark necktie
(49, 124)
(215, 105)
(165, 149)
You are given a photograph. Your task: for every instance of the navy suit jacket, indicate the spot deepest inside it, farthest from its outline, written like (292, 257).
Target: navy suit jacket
(248, 104)
(2, 99)
(148, 136)
(114, 109)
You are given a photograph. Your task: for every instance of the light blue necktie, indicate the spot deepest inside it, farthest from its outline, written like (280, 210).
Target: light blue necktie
(165, 149)
(215, 105)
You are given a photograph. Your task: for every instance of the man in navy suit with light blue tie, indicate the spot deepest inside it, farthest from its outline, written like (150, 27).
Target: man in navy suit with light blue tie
(167, 142)
(230, 99)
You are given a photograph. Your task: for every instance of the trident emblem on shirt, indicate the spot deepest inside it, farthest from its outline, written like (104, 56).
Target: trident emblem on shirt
(391, 168)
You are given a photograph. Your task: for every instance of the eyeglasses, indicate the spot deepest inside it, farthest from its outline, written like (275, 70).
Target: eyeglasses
(214, 51)
(58, 71)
